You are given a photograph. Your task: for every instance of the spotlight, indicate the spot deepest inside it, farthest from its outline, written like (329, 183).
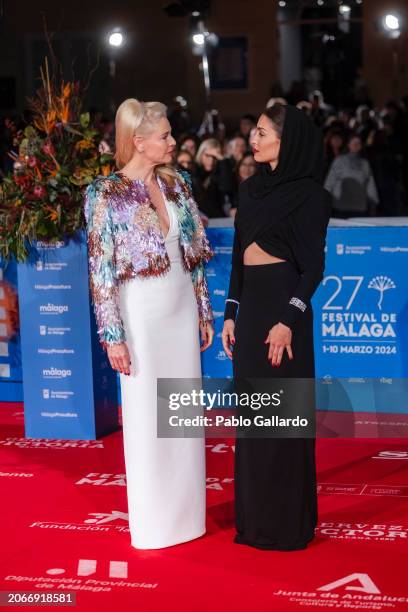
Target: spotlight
(344, 9)
(391, 22)
(198, 39)
(116, 38)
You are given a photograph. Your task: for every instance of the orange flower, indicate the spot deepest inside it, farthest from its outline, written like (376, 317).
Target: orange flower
(84, 144)
(105, 170)
(66, 90)
(39, 124)
(53, 215)
(65, 112)
(50, 120)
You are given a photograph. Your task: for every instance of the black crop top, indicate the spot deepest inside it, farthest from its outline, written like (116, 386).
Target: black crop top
(275, 242)
(299, 238)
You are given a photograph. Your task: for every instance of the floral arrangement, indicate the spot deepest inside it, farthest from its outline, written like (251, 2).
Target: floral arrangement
(56, 156)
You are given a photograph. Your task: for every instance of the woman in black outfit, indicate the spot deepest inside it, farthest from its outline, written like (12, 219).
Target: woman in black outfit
(277, 264)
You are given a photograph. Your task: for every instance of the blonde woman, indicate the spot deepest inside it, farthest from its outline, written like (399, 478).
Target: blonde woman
(214, 179)
(147, 250)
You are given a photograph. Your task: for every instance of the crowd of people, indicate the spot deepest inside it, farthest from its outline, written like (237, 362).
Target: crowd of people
(366, 156)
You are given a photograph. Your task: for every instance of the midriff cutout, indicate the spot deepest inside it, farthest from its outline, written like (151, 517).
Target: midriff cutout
(254, 255)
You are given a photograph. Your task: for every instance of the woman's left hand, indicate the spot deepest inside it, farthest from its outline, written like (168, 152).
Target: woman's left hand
(207, 335)
(279, 338)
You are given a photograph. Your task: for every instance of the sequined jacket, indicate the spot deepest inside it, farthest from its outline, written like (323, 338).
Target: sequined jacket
(125, 240)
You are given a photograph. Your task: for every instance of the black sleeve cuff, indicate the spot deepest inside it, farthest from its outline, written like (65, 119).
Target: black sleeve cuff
(231, 308)
(293, 312)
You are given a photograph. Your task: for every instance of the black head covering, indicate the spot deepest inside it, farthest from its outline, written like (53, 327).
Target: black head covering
(300, 154)
(269, 195)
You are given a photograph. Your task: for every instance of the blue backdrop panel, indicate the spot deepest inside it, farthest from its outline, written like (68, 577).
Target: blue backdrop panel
(70, 390)
(215, 363)
(360, 317)
(11, 387)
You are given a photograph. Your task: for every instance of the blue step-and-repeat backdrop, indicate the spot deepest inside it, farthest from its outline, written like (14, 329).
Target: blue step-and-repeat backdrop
(11, 375)
(360, 314)
(360, 325)
(69, 389)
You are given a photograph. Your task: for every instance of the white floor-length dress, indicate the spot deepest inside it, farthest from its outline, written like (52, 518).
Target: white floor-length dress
(165, 477)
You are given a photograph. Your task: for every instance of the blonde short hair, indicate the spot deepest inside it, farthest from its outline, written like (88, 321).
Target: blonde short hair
(137, 117)
(208, 143)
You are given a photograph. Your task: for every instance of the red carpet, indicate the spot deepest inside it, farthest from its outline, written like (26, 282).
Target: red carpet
(64, 530)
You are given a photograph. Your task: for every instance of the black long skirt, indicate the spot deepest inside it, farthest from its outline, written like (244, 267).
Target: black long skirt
(275, 478)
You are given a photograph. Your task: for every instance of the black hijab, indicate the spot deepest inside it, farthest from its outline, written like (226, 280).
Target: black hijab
(270, 195)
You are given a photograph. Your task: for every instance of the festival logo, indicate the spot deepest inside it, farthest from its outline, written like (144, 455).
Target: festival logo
(381, 284)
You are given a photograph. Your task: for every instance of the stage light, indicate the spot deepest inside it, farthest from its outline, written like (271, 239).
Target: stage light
(282, 3)
(391, 22)
(320, 2)
(116, 39)
(391, 26)
(202, 39)
(198, 39)
(344, 9)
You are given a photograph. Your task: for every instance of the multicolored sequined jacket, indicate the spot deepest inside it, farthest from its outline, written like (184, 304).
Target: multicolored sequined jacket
(125, 240)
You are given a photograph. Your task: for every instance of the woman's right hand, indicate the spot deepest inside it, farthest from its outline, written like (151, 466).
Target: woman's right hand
(119, 357)
(228, 337)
